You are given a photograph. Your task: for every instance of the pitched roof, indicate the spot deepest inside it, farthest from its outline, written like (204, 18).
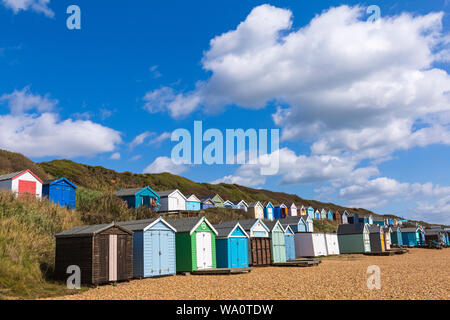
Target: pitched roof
(128, 192)
(344, 229)
(10, 175)
(166, 193)
(194, 198)
(224, 229)
(188, 224)
(56, 180)
(291, 220)
(245, 224)
(272, 224)
(84, 231)
(254, 204)
(206, 199)
(409, 229)
(141, 225)
(374, 228)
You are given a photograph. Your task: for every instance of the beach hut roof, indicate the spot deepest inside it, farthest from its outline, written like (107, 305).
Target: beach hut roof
(193, 198)
(245, 224)
(291, 220)
(254, 204)
(48, 182)
(409, 229)
(374, 228)
(239, 202)
(143, 225)
(351, 228)
(166, 193)
(13, 175)
(204, 199)
(225, 230)
(271, 224)
(86, 231)
(133, 191)
(190, 224)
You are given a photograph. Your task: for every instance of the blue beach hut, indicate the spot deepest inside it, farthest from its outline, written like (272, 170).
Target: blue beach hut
(60, 191)
(289, 238)
(297, 224)
(207, 203)
(268, 211)
(330, 215)
(410, 236)
(396, 236)
(193, 203)
(231, 246)
(139, 197)
(153, 247)
(310, 212)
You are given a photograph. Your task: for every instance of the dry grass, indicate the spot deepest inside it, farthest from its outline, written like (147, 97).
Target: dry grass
(420, 274)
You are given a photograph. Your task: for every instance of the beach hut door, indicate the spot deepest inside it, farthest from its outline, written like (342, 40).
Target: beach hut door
(204, 252)
(366, 242)
(112, 257)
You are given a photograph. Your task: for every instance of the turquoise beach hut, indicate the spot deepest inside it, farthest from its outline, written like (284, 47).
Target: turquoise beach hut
(310, 212)
(193, 203)
(231, 246)
(139, 197)
(289, 237)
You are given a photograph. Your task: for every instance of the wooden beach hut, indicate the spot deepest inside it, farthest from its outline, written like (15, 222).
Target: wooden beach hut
(310, 212)
(229, 204)
(410, 236)
(396, 236)
(317, 214)
(323, 214)
(297, 223)
(376, 239)
(293, 210)
(139, 197)
(302, 211)
(172, 200)
(309, 223)
(231, 246)
(289, 238)
(268, 211)
(241, 204)
(193, 203)
(353, 238)
(344, 217)
(218, 201)
(22, 183)
(153, 247)
(387, 231)
(310, 244)
(434, 235)
(353, 218)
(330, 215)
(277, 241)
(195, 242)
(280, 211)
(60, 191)
(103, 252)
(259, 241)
(332, 243)
(207, 203)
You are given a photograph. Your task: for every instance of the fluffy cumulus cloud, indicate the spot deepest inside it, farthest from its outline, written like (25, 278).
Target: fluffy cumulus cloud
(33, 129)
(39, 6)
(165, 164)
(347, 86)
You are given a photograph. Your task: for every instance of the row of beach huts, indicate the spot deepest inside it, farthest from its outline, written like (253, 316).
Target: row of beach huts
(63, 192)
(158, 247)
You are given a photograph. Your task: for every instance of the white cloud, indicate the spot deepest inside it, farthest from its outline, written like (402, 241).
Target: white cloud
(139, 139)
(348, 86)
(30, 130)
(165, 164)
(435, 211)
(39, 6)
(115, 156)
(161, 138)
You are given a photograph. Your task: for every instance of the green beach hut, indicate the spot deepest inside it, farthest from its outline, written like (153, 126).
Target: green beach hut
(277, 241)
(353, 238)
(195, 243)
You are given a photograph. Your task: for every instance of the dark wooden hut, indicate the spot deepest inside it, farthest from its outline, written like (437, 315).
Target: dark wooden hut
(103, 252)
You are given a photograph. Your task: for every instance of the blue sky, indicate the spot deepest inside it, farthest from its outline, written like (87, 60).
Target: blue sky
(363, 109)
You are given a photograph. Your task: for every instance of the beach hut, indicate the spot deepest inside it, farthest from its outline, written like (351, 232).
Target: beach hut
(310, 244)
(139, 197)
(338, 216)
(434, 235)
(22, 183)
(309, 223)
(193, 203)
(310, 212)
(103, 252)
(206, 203)
(256, 209)
(396, 236)
(268, 211)
(195, 242)
(344, 217)
(289, 239)
(280, 211)
(277, 241)
(353, 218)
(376, 239)
(387, 231)
(353, 238)
(410, 236)
(365, 219)
(241, 205)
(218, 201)
(447, 239)
(60, 191)
(229, 204)
(323, 214)
(172, 200)
(231, 246)
(293, 210)
(332, 243)
(302, 211)
(153, 247)
(421, 235)
(317, 214)
(259, 242)
(297, 223)
(330, 215)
